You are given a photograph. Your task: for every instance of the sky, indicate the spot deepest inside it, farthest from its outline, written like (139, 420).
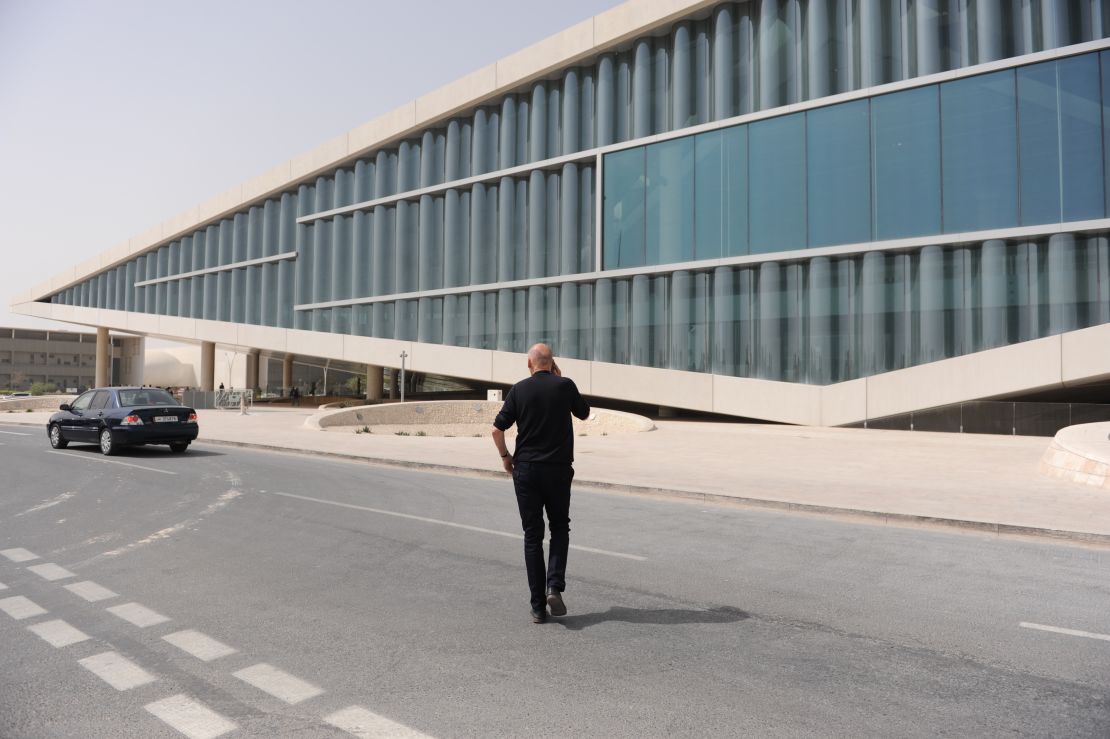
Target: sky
(118, 114)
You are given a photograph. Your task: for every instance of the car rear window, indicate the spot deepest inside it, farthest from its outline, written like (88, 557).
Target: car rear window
(145, 396)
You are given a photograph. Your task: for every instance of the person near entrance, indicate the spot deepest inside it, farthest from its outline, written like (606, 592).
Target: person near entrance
(541, 465)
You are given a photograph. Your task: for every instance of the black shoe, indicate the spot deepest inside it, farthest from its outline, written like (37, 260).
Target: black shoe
(539, 617)
(555, 603)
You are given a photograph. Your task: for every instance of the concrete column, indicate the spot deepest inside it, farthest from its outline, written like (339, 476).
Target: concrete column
(286, 375)
(252, 370)
(207, 366)
(103, 357)
(375, 379)
(132, 360)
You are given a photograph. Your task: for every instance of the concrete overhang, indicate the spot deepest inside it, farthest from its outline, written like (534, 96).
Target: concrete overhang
(1057, 361)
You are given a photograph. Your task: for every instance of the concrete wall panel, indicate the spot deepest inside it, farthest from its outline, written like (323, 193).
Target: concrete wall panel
(382, 352)
(217, 332)
(318, 158)
(261, 337)
(844, 402)
(763, 399)
(174, 326)
(546, 55)
(691, 390)
(1086, 354)
(141, 323)
(384, 128)
(474, 364)
(316, 344)
(627, 19)
(1029, 366)
(458, 95)
(267, 183)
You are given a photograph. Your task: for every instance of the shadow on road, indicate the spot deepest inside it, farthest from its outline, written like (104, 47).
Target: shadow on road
(141, 452)
(660, 616)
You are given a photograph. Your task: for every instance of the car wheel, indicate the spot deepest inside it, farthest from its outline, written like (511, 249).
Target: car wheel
(56, 439)
(107, 443)
(179, 446)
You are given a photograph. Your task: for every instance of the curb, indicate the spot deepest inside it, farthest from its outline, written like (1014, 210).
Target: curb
(893, 519)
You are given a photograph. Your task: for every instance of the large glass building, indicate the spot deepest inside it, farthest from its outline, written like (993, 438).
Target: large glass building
(813, 211)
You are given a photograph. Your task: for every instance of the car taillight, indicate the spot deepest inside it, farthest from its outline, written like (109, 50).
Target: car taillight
(192, 418)
(131, 420)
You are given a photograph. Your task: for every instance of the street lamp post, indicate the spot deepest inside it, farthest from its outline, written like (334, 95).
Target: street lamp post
(404, 356)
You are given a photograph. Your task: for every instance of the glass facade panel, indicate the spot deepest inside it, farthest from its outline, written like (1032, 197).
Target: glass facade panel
(1039, 120)
(778, 194)
(979, 145)
(1104, 60)
(905, 145)
(623, 216)
(670, 202)
(721, 193)
(839, 174)
(1080, 138)
(1060, 124)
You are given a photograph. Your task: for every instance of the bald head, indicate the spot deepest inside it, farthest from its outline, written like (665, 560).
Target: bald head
(540, 357)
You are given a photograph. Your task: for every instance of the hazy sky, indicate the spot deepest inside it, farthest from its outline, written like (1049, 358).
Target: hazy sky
(115, 115)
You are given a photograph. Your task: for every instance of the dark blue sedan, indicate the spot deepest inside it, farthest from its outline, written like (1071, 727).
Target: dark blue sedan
(116, 417)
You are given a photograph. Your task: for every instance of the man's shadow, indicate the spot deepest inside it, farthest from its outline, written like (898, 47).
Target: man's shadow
(661, 616)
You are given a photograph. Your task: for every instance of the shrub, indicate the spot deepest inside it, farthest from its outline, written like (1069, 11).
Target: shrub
(401, 433)
(421, 433)
(43, 388)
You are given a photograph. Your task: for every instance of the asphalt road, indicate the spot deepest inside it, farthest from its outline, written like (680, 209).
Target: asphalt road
(302, 595)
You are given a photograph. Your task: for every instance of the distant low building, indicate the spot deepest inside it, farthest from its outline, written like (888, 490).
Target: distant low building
(65, 359)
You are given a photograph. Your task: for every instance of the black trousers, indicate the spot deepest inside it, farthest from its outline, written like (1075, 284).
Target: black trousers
(542, 487)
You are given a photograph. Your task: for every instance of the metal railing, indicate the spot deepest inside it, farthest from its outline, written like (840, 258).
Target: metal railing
(1017, 418)
(233, 399)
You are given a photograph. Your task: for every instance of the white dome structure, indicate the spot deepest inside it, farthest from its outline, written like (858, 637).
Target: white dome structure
(174, 367)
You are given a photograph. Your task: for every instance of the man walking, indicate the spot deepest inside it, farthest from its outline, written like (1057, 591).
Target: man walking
(541, 407)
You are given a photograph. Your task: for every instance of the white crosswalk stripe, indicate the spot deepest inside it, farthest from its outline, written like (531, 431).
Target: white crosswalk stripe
(57, 633)
(90, 591)
(193, 719)
(20, 608)
(281, 685)
(138, 615)
(201, 646)
(116, 670)
(51, 571)
(365, 724)
(19, 555)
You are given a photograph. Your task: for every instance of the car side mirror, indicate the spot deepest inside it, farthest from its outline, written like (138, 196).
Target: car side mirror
(64, 407)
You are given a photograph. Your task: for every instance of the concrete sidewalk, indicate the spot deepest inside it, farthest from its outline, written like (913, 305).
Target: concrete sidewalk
(989, 483)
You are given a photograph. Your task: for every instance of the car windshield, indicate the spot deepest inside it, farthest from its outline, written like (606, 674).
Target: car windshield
(145, 396)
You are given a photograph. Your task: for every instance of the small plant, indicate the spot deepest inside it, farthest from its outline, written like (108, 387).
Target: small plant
(401, 433)
(477, 436)
(582, 434)
(28, 411)
(604, 433)
(421, 433)
(450, 436)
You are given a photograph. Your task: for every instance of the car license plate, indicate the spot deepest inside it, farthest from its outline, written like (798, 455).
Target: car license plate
(165, 419)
